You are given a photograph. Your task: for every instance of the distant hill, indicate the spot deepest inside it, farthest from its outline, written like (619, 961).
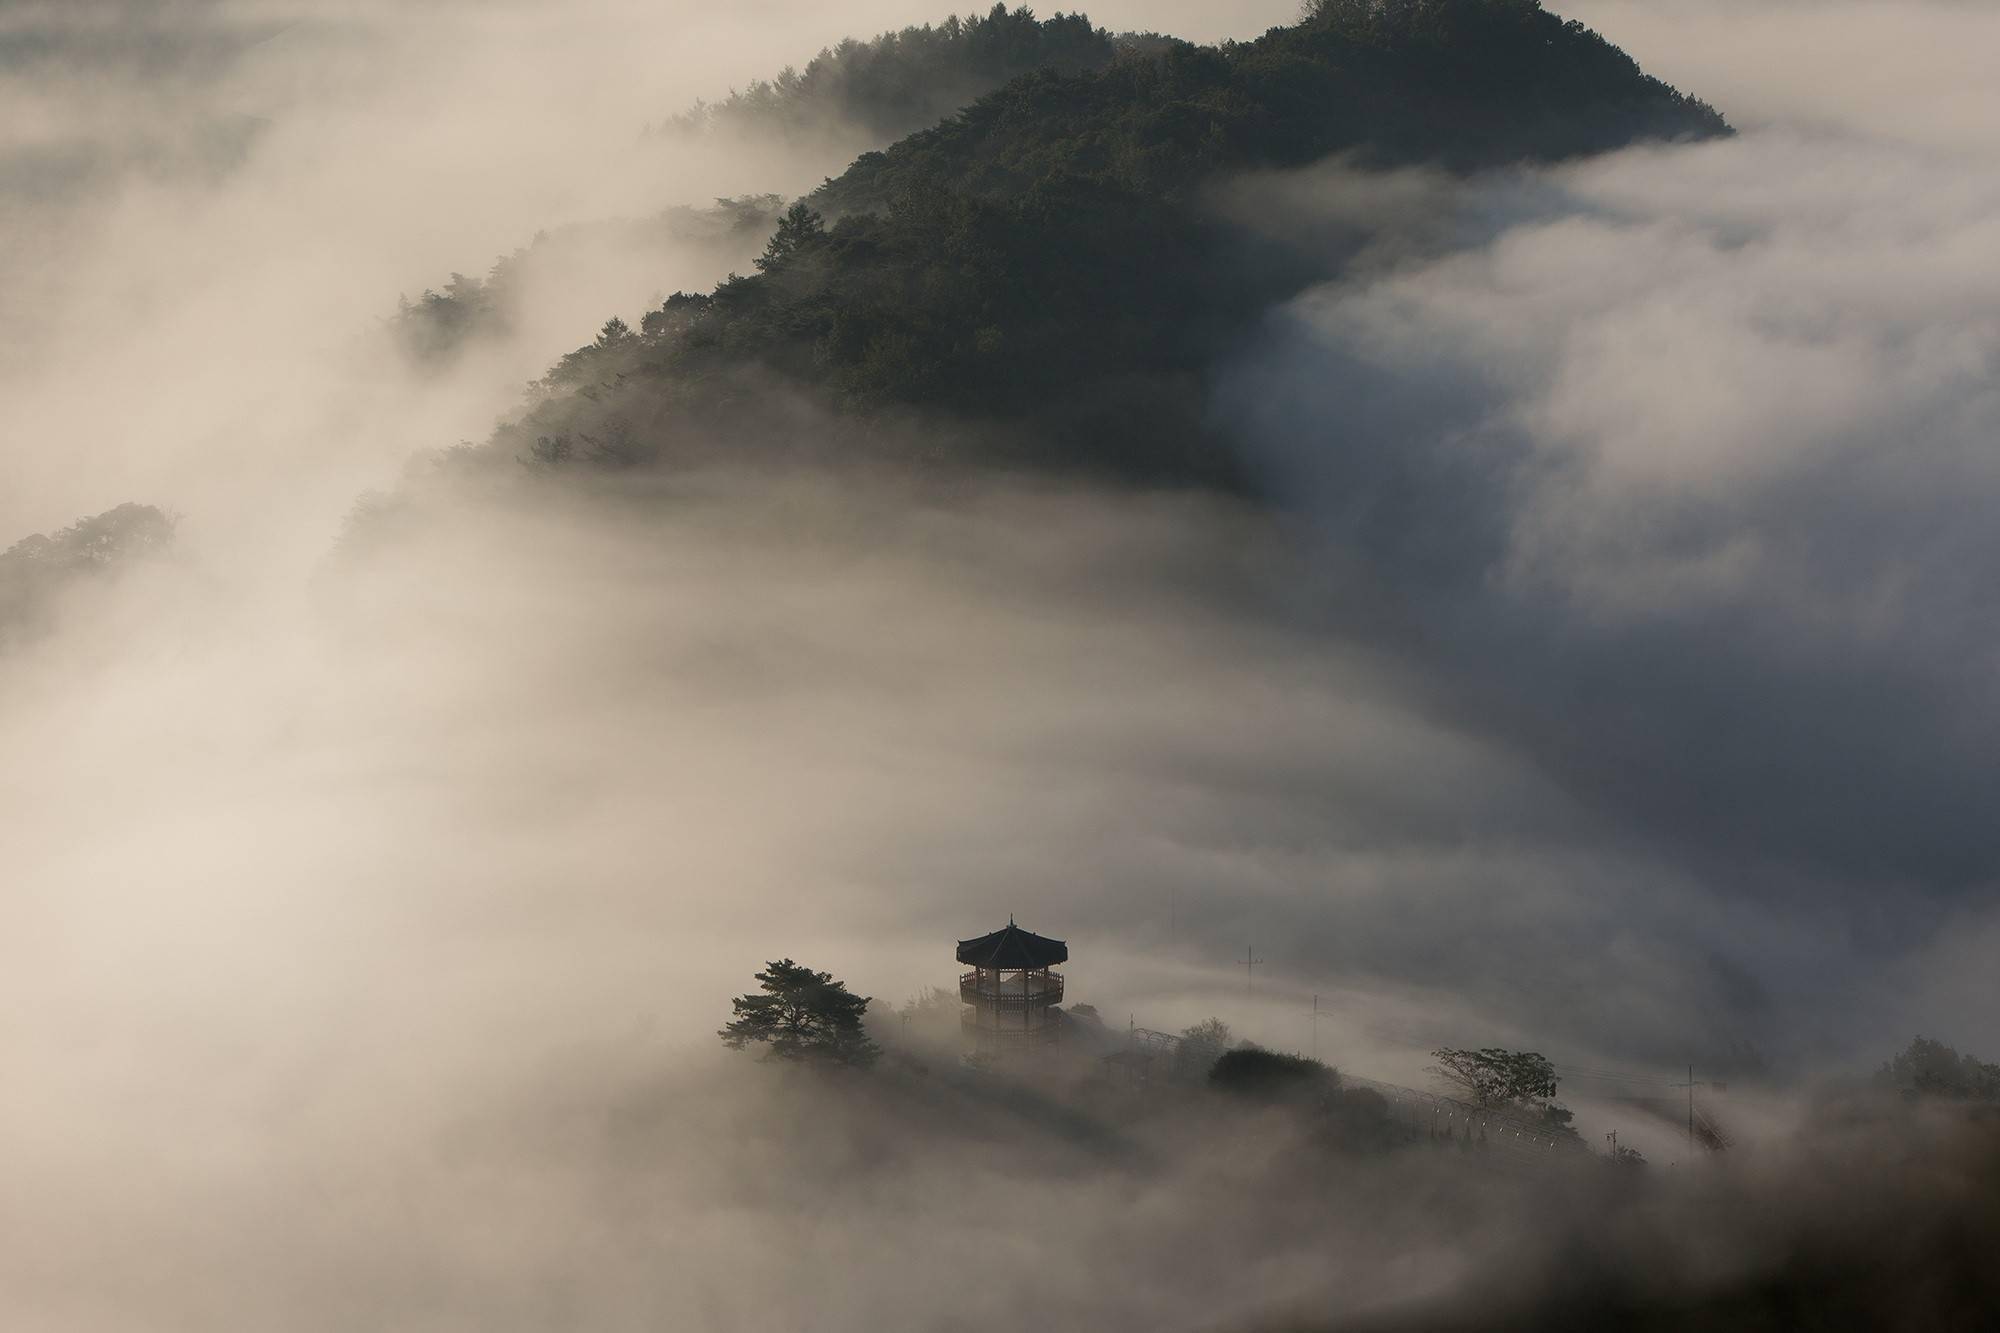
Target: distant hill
(854, 96)
(442, 323)
(1038, 279)
(876, 91)
(37, 569)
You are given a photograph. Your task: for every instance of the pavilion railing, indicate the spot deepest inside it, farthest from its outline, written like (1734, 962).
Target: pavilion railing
(1037, 990)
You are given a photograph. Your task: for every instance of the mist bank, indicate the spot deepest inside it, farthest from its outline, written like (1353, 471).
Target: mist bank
(857, 96)
(1408, 807)
(1494, 856)
(211, 207)
(1678, 459)
(892, 706)
(1598, 674)
(425, 898)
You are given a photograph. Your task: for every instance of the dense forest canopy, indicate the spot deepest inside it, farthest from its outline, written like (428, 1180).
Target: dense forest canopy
(1458, 83)
(901, 81)
(1042, 270)
(36, 569)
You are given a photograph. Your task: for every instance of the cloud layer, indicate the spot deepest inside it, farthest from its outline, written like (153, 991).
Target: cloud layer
(1683, 466)
(1618, 683)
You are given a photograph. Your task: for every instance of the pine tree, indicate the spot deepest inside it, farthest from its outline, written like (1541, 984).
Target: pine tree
(802, 1015)
(799, 228)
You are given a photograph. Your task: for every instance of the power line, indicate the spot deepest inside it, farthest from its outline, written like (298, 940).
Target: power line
(1691, 1085)
(1250, 962)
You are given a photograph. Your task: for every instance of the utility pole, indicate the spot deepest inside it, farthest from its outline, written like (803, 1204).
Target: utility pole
(1250, 962)
(1691, 1085)
(1315, 1027)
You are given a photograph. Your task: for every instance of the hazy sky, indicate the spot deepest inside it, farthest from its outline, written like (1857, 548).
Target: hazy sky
(1618, 680)
(207, 201)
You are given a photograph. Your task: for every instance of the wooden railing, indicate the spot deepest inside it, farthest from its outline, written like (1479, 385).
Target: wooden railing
(1037, 989)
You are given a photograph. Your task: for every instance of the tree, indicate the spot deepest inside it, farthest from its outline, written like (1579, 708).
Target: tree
(1629, 1158)
(1200, 1047)
(799, 228)
(35, 570)
(549, 451)
(1270, 1076)
(1929, 1068)
(802, 1015)
(933, 1011)
(1494, 1077)
(1520, 1081)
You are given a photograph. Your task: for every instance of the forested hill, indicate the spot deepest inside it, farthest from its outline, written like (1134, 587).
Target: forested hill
(1040, 278)
(1457, 83)
(850, 97)
(879, 90)
(434, 329)
(37, 570)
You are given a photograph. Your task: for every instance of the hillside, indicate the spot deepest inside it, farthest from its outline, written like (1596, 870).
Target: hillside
(854, 96)
(1039, 280)
(36, 570)
(878, 90)
(442, 323)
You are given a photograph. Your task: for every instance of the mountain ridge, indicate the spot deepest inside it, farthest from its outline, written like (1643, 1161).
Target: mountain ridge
(1037, 276)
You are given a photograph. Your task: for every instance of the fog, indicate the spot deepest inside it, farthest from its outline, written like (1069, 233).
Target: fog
(208, 203)
(1616, 688)
(1684, 455)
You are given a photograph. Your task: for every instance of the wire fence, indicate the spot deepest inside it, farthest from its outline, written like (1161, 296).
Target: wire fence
(1448, 1120)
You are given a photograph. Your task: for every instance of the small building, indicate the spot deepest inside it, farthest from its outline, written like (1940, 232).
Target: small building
(1012, 991)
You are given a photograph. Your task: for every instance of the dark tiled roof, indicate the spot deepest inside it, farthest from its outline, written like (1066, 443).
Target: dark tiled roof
(1012, 948)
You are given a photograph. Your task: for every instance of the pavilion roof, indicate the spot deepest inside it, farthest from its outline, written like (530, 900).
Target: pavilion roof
(1012, 948)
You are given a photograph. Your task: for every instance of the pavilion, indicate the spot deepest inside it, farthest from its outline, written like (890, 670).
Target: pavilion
(1012, 990)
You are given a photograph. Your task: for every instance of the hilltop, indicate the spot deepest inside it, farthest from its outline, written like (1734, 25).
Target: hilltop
(1042, 279)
